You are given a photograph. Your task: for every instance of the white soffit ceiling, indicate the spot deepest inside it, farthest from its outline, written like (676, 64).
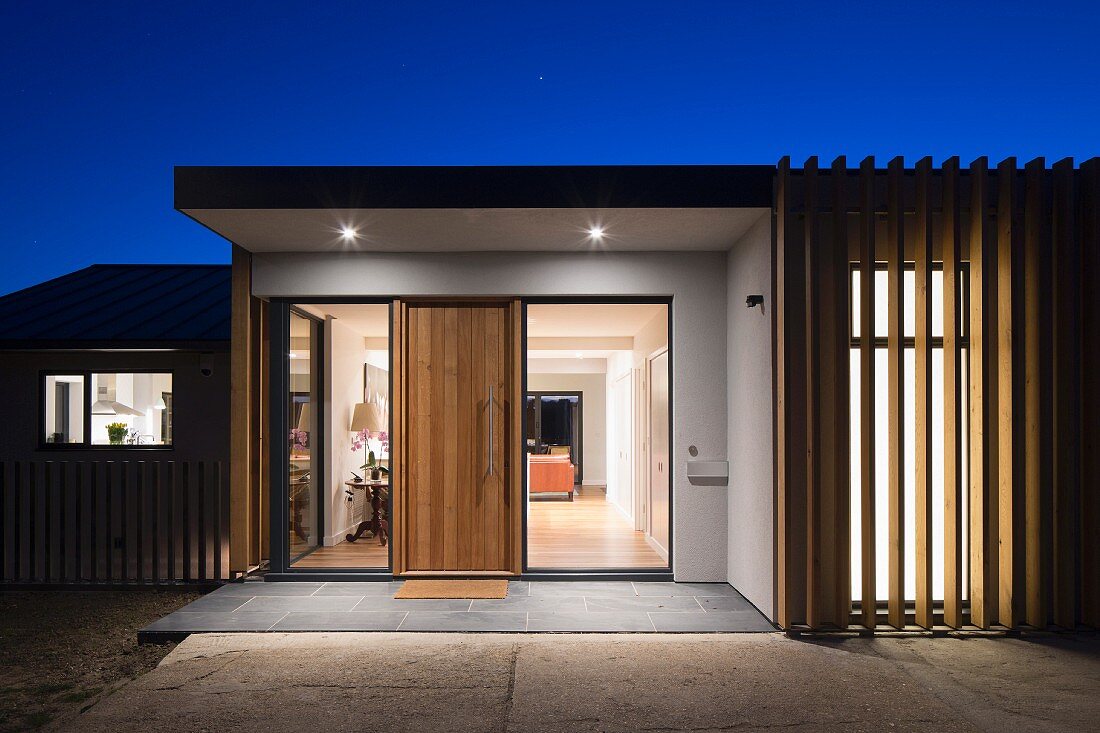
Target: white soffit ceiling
(589, 319)
(477, 230)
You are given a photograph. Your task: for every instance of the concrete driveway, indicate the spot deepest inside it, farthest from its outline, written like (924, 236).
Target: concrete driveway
(573, 682)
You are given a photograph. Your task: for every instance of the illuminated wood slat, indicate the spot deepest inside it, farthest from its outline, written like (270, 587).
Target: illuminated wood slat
(1037, 396)
(868, 591)
(922, 374)
(840, 351)
(1067, 394)
(1010, 397)
(895, 268)
(812, 247)
(1090, 402)
(982, 591)
(790, 468)
(953, 459)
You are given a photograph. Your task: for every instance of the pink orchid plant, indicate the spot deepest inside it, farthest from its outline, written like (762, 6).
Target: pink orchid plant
(299, 438)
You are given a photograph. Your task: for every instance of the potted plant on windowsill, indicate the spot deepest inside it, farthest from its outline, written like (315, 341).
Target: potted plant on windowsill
(117, 432)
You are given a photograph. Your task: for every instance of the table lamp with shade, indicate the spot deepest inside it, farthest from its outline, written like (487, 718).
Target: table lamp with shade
(368, 416)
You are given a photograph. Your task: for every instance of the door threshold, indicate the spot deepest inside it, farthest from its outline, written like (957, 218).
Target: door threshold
(629, 576)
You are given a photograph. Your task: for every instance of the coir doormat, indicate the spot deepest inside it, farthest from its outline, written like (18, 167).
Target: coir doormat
(453, 589)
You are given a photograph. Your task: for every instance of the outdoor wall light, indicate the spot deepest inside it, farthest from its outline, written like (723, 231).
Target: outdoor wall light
(754, 300)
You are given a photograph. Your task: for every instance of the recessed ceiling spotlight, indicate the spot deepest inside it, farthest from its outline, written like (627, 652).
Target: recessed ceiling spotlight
(348, 232)
(596, 232)
(580, 355)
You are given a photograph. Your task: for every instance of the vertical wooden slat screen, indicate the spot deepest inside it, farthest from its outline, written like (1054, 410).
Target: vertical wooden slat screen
(112, 522)
(895, 368)
(1021, 445)
(954, 462)
(922, 396)
(867, 261)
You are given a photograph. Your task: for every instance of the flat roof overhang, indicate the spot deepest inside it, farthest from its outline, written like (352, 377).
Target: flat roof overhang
(475, 208)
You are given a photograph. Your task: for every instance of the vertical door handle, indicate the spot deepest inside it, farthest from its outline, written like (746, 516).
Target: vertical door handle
(490, 430)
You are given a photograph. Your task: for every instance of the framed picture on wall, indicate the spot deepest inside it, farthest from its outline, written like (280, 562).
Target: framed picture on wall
(376, 387)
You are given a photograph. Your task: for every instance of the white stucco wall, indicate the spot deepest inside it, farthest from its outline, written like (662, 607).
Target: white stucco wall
(749, 357)
(695, 280)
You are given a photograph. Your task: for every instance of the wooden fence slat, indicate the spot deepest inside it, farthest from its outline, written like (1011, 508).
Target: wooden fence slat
(812, 284)
(895, 269)
(193, 478)
(867, 262)
(131, 517)
(841, 394)
(116, 536)
(55, 519)
(70, 527)
(922, 375)
(87, 521)
(150, 550)
(24, 524)
(180, 529)
(209, 520)
(9, 567)
(39, 498)
(1067, 416)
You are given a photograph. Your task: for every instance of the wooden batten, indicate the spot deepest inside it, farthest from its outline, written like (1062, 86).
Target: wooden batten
(895, 264)
(790, 391)
(922, 375)
(953, 423)
(812, 284)
(1011, 336)
(840, 424)
(1067, 394)
(1038, 478)
(867, 390)
(1090, 397)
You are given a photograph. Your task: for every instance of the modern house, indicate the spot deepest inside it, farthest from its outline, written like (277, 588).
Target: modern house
(861, 396)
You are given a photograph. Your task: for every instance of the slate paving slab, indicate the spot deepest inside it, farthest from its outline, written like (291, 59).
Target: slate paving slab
(531, 606)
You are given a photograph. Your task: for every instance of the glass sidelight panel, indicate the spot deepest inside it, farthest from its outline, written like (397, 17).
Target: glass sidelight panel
(303, 438)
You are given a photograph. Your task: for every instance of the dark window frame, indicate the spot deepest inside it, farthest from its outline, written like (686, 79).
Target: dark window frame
(86, 443)
(910, 342)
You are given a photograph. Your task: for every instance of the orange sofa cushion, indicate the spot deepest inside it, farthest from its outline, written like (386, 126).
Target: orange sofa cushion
(550, 474)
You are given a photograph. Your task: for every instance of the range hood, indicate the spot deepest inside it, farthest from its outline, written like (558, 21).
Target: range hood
(106, 404)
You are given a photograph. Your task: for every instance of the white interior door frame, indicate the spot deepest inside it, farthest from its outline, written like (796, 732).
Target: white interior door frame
(653, 541)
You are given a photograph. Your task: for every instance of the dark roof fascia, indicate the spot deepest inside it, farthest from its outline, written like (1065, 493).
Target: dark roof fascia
(117, 346)
(473, 187)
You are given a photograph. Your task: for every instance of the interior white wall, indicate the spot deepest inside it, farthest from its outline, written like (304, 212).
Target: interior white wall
(593, 413)
(696, 281)
(343, 386)
(749, 410)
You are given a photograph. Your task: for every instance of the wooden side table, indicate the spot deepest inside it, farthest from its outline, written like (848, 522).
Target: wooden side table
(378, 522)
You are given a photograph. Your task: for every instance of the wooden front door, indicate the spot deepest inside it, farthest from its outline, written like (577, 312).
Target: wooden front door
(457, 492)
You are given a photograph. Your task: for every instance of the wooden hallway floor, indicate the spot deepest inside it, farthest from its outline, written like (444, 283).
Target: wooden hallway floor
(588, 532)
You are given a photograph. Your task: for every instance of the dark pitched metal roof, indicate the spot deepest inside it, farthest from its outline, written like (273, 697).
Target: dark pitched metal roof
(135, 306)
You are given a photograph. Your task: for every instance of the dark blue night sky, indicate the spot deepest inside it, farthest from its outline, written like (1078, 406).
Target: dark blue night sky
(100, 100)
